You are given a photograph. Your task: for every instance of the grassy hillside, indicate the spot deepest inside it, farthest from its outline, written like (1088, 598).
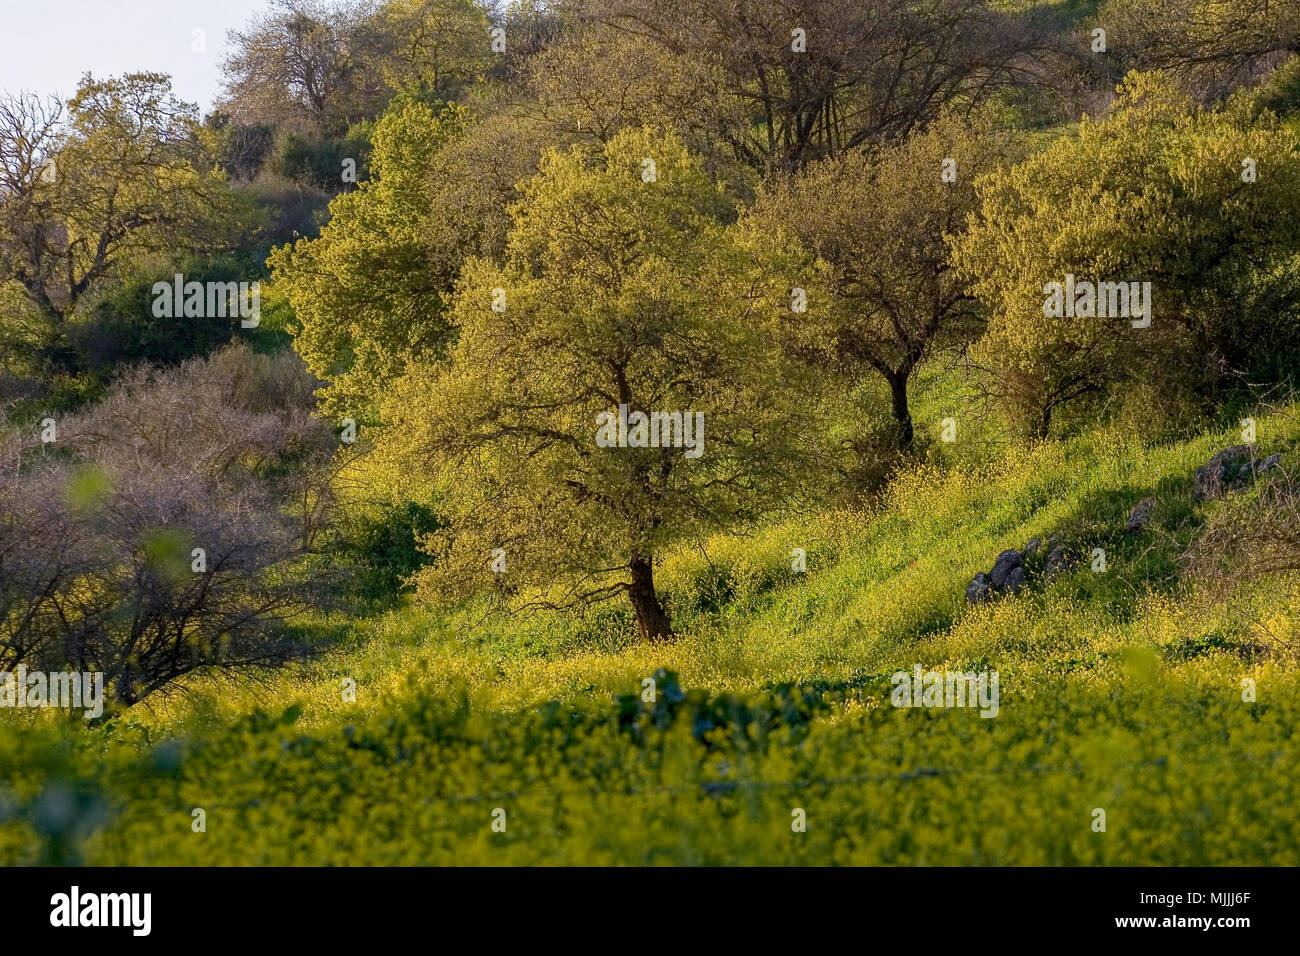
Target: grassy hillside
(1120, 691)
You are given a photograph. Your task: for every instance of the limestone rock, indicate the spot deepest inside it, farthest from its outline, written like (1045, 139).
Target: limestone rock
(1140, 516)
(1006, 562)
(1229, 470)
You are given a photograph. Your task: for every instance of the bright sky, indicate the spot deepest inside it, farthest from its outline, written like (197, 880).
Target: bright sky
(45, 45)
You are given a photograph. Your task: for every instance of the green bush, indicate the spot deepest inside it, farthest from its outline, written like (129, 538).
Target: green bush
(383, 549)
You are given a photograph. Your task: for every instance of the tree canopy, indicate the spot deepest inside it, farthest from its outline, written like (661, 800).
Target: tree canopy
(1200, 204)
(605, 304)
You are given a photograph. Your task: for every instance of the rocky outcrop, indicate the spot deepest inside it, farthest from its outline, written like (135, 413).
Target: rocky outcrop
(1230, 470)
(1007, 576)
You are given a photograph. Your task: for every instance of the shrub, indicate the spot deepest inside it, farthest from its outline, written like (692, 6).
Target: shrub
(150, 539)
(382, 548)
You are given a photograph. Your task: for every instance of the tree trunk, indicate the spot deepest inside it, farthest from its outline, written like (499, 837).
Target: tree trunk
(651, 621)
(902, 415)
(1043, 426)
(125, 687)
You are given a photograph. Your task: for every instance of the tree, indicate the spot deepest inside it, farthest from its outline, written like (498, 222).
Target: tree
(431, 47)
(1201, 205)
(596, 80)
(300, 65)
(369, 292)
(319, 66)
(127, 177)
(606, 308)
(1210, 46)
(866, 237)
(29, 130)
(788, 85)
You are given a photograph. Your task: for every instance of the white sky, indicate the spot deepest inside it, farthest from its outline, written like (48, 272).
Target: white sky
(46, 45)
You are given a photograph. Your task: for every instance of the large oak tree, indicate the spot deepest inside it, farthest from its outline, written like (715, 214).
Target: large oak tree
(610, 294)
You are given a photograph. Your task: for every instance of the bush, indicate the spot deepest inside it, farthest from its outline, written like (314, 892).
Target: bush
(317, 161)
(150, 539)
(382, 548)
(122, 329)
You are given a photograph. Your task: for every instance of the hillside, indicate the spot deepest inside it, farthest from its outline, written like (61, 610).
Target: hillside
(707, 433)
(1120, 691)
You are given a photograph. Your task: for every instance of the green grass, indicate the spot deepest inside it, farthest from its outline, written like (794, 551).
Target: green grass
(1120, 691)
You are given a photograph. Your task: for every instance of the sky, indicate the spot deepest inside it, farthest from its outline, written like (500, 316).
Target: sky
(46, 45)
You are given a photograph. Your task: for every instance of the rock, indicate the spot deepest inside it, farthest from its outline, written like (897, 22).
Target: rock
(1227, 471)
(1007, 577)
(1058, 561)
(979, 591)
(1140, 515)
(1016, 579)
(1006, 562)
(1269, 463)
